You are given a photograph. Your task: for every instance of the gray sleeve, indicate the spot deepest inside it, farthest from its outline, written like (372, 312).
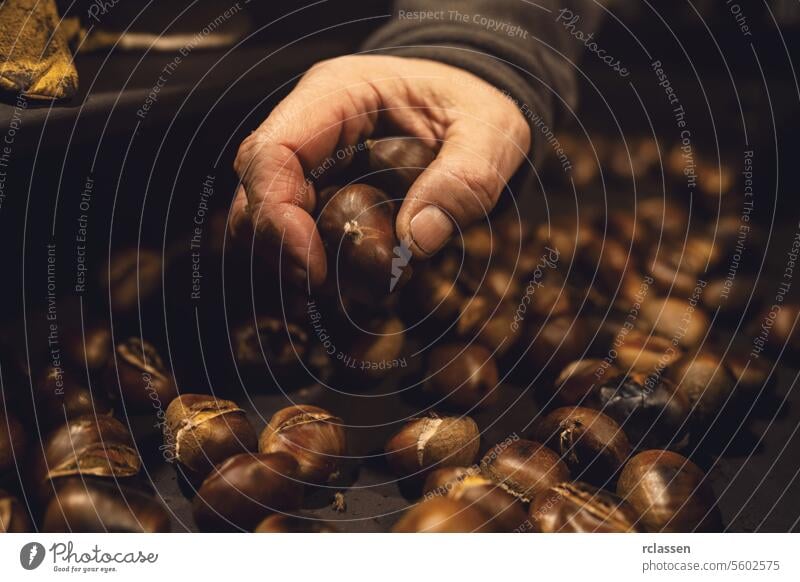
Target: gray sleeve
(522, 47)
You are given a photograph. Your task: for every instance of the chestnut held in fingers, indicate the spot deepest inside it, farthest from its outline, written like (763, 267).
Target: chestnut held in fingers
(91, 505)
(592, 444)
(312, 435)
(523, 468)
(242, 491)
(580, 508)
(669, 493)
(282, 523)
(145, 383)
(432, 441)
(399, 161)
(12, 442)
(504, 511)
(705, 381)
(14, 516)
(462, 375)
(357, 226)
(443, 515)
(201, 431)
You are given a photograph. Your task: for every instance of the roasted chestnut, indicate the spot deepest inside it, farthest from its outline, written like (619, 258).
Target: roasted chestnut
(580, 508)
(593, 445)
(282, 523)
(443, 515)
(357, 226)
(240, 492)
(89, 505)
(312, 435)
(98, 446)
(14, 516)
(523, 468)
(669, 493)
(270, 346)
(504, 511)
(201, 431)
(12, 442)
(59, 397)
(430, 442)
(705, 381)
(144, 381)
(462, 375)
(399, 160)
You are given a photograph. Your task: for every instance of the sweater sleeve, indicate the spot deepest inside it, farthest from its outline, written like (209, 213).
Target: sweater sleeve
(522, 47)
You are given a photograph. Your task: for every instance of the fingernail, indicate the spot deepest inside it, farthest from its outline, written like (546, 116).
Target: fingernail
(430, 229)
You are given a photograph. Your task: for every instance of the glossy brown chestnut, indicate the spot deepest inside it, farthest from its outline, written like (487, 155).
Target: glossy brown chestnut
(462, 375)
(580, 508)
(60, 397)
(201, 431)
(443, 515)
(357, 226)
(88, 446)
(13, 515)
(523, 467)
(504, 511)
(240, 492)
(399, 160)
(89, 505)
(282, 523)
(12, 442)
(313, 436)
(593, 445)
(576, 382)
(145, 383)
(669, 493)
(705, 381)
(430, 442)
(270, 346)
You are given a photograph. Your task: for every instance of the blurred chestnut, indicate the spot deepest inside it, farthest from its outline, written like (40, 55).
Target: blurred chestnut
(523, 467)
(431, 442)
(435, 290)
(777, 328)
(580, 508)
(398, 161)
(144, 381)
(357, 226)
(443, 515)
(490, 322)
(240, 492)
(270, 346)
(645, 352)
(577, 380)
(12, 442)
(752, 374)
(663, 217)
(312, 435)
(376, 350)
(59, 397)
(282, 523)
(554, 343)
(89, 347)
(730, 296)
(201, 431)
(593, 445)
(676, 319)
(669, 493)
(478, 242)
(14, 516)
(92, 505)
(462, 375)
(504, 511)
(705, 381)
(132, 276)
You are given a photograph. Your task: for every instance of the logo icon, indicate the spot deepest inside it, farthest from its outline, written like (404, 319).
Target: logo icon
(31, 555)
(402, 256)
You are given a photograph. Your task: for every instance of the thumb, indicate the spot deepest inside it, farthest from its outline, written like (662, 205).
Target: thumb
(461, 185)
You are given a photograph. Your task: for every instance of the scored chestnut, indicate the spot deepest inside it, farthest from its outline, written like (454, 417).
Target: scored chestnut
(357, 226)
(240, 492)
(669, 493)
(462, 375)
(398, 160)
(312, 435)
(282, 523)
(144, 381)
(580, 508)
(14, 516)
(504, 511)
(443, 515)
(92, 505)
(592, 444)
(523, 467)
(201, 431)
(432, 441)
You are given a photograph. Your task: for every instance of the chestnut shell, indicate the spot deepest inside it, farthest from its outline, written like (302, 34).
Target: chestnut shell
(581, 508)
